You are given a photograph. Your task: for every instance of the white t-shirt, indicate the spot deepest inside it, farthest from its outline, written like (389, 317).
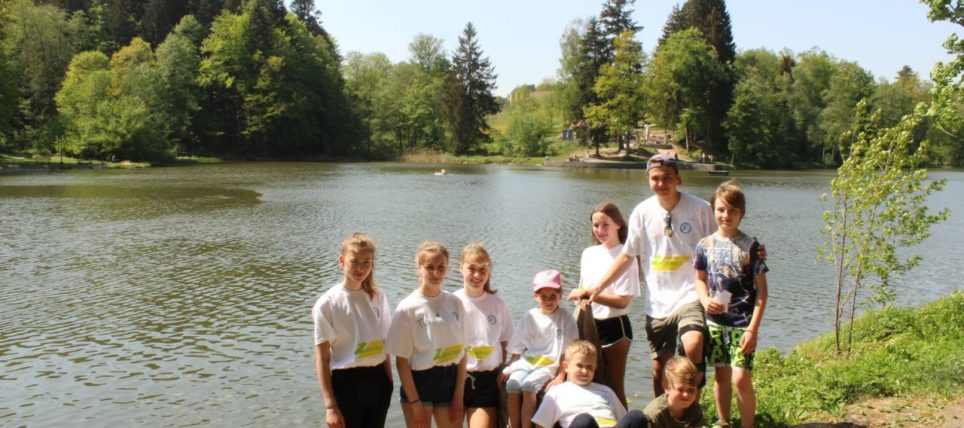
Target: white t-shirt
(428, 330)
(562, 403)
(541, 339)
(668, 261)
(488, 323)
(353, 324)
(594, 264)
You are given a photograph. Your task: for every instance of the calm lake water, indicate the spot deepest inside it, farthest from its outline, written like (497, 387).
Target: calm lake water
(180, 296)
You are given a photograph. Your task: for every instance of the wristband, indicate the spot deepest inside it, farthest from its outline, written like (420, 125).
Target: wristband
(414, 401)
(332, 407)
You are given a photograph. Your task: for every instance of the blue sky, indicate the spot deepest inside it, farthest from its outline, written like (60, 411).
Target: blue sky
(521, 37)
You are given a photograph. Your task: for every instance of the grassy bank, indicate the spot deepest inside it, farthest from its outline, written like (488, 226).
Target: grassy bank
(912, 353)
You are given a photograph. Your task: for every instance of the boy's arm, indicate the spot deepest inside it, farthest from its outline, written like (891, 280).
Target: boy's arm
(748, 341)
(616, 268)
(323, 367)
(711, 306)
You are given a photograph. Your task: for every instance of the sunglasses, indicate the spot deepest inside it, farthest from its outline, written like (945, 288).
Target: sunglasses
(668, 230)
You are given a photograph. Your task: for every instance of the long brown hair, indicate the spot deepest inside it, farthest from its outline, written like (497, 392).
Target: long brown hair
(475, 249)
(360, 243)
(612, 211)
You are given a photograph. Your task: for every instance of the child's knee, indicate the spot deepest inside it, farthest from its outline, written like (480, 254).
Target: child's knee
(742, 381)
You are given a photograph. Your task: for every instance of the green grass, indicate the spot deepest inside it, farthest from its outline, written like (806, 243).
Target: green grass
(897, 352)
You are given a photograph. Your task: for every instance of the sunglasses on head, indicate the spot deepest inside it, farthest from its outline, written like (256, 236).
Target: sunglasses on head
(668, 230)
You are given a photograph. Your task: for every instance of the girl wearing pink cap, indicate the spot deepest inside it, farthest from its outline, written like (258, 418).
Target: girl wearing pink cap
(539, 338)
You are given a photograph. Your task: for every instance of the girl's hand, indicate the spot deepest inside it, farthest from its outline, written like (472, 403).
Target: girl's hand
(578, 294)
(748, 342)
(456, 411)
(419, 416)
(334, 419)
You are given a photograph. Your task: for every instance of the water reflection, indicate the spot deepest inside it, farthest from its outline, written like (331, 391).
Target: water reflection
(181, 296)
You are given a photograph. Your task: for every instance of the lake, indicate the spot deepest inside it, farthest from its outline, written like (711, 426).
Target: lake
(181, 296)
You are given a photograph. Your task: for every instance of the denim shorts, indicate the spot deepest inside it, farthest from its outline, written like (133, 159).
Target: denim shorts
(435, 386)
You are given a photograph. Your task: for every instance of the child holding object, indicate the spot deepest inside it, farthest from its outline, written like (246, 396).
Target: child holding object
(427, 339)
(537, 346)
(732, 285)
(351, 323)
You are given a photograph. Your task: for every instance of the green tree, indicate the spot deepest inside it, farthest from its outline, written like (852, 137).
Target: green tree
(681, 74)
(583, 54)
(616, 18)
(160, 17)
(529, 131)
(898, 98)
(38, 49)
(758, 126)
(947, 109)
(849, 84)
(620, 90)
(366, 75)
(879, 198)
(178, 59)
(468, 93)
(307, 14)
(811, 83)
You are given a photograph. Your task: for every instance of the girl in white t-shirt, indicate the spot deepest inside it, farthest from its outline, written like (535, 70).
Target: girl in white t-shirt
(427, 338)
(488, 327)
(351, 322)
(610, 309)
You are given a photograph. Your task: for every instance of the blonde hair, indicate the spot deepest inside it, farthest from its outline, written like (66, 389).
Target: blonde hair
(360, 243)
(581, 347)
(680, 370)
(732, 194)
(475, 249)
(430, 248)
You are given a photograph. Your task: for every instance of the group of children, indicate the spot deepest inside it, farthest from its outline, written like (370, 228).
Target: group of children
(455, 353)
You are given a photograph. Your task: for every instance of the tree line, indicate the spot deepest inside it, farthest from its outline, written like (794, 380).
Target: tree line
(149, 80)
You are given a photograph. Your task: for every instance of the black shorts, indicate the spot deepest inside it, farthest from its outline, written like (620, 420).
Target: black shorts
(613, 330)
(481, 389)
(363, 395)
(435, 386)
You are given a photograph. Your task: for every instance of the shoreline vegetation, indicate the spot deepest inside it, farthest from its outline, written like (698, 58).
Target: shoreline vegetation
(906, 369)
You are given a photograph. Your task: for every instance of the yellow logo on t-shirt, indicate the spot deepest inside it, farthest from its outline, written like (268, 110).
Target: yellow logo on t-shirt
(444, 355)
(668, 264)
(605, 422)
(539, 360)
(369, 349)
(479, 352)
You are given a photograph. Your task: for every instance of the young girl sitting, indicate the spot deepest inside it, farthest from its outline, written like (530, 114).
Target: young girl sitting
(427, 339)
(539, 339)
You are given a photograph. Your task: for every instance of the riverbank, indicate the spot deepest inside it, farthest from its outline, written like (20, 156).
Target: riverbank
(906, 369)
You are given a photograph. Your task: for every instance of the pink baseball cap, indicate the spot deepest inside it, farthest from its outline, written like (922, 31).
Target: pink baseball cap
(550, 278)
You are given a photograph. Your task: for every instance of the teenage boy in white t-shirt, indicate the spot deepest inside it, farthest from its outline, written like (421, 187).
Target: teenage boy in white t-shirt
(663, 232)
(580, 403)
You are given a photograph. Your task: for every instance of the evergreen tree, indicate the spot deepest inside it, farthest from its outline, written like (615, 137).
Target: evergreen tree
(159, 18)
(205, 10)
(311, 17)
(468, 93)
(620, 90)
(711, 18)
(615, 19)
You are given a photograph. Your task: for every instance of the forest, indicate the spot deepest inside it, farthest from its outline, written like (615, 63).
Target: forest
(262, 79)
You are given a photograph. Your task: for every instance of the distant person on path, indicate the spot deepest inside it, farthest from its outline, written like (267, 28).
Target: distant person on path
(663, 232)
(427, 338)
(580, 403)
(732, 284)
(679, 406)
(351, 322)
(488, 327)
(538, 341)
(611, 307)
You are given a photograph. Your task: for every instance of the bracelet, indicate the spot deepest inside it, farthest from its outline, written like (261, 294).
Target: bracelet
(332, 407)
(415, 401)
